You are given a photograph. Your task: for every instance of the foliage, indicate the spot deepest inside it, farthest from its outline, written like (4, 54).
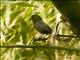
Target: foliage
(17, 29)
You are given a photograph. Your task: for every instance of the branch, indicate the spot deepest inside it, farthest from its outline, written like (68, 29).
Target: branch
(44, 47)
(44, 39)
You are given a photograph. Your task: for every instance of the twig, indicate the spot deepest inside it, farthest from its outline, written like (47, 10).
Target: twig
(40, 39)
(44, 39)
(67, 36)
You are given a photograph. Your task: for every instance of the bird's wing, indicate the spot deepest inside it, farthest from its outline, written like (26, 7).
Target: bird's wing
(42, 27)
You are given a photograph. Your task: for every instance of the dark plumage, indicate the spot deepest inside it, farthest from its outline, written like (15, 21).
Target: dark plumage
(71, 9)
(40, 25)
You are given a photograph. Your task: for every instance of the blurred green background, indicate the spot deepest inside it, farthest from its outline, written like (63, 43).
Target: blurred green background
(16, 28)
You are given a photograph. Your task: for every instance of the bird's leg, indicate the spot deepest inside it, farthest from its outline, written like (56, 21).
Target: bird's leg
(40, 37)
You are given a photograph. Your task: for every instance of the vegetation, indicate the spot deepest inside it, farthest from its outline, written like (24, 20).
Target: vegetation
(19, 40)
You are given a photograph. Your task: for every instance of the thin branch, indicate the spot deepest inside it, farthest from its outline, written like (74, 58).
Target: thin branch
(44, 39)
(44, 47)
(67, 36)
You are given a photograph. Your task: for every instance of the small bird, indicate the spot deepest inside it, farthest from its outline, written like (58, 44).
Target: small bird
(40, 25)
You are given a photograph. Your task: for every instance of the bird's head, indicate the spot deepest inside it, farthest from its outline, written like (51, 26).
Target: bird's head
(35, 18)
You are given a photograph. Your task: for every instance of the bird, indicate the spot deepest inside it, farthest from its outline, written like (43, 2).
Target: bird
(39, 25)
(71, 9)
